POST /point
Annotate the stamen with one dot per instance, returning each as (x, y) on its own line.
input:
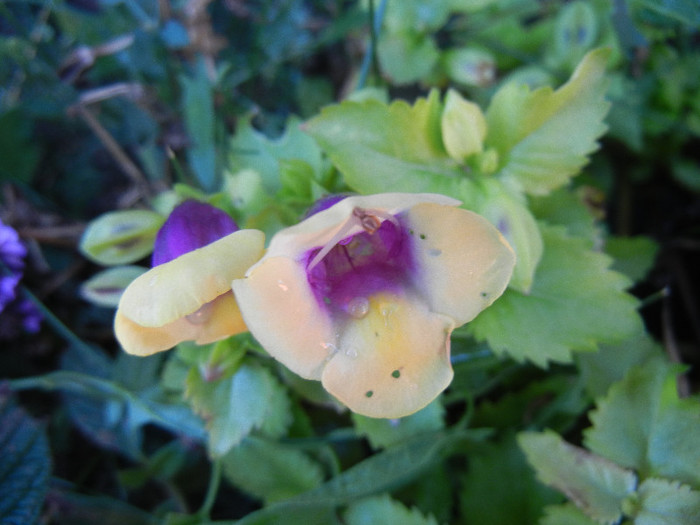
(368, 220)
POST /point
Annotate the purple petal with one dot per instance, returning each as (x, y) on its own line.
(12, 251)
(191, 225)
(324, 203)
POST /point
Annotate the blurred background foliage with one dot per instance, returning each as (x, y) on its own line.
(105, 104)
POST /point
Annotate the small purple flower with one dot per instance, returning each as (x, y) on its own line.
(15, 313)
(191, 225)
(12, 253)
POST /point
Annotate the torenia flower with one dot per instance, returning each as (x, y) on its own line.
(364, 295)
(187, 295)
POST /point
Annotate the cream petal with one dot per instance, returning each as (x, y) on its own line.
(392, 362)
(180, 287)
(320, 228)
(463, 262)
(215, 320)
(282, 313)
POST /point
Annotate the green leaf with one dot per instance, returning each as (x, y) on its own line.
(106, 287)
(575, 303)
(25, 466)
(407, 57)
(596, 485)
(416, 15)
(684, 11)
(383, 433)
(250, 149)
(500, 487)
(198, 108)
(544, 137)
(634, 256)
(565, 207)
(383, 509)
(235, 405)
(270, 471)
(380, 147)
(565, 515)
(384, 471)
(599, 370)
(121, 237)
(644, 425)
(663, 502)
(112, 415)
(80, 509)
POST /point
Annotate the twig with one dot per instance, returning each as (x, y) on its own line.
(126, 164)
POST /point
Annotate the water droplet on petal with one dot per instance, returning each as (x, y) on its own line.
(152, 280)
(282, 285)
(202, 315)
(434, 252)
(351, 352)
(330, 347)
(358, 307)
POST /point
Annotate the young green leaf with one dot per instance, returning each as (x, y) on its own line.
(543, 137)
(250, 149)
(463, 127)
(596, 485)
(575, 303)
(644, 425)
(25, 466)
(383, 509)
(379, 147)
(236, 405)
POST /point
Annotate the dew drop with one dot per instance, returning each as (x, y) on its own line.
(358, 307)
(434, 252)
(152, 281)
(282, 285)
(202, 315)
(386, 310)
(351, 352)
(330, 347)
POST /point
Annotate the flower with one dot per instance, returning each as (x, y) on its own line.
(18, 314)
(364, 295)
(12, 253)
(187, 295)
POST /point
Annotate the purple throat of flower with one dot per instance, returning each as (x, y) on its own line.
(348, 270)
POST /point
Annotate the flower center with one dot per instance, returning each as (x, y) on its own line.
(352, 269)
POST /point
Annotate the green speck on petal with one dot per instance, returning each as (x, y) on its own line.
(369, 393)
(396, 374)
